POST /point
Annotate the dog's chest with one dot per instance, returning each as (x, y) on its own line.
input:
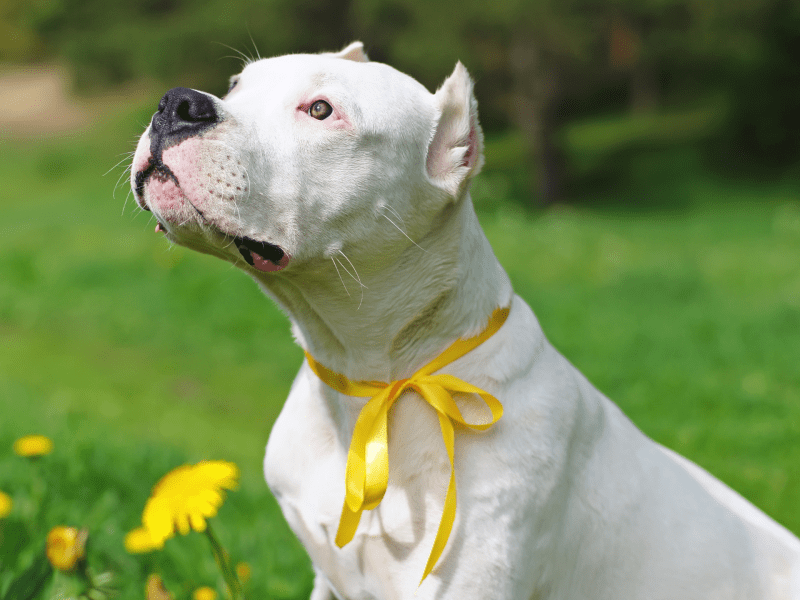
(305, 467)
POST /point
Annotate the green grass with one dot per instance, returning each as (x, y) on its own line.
(136, 357)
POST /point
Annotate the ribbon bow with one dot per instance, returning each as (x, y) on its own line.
(367, 474)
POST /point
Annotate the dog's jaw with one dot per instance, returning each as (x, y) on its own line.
(191, 188)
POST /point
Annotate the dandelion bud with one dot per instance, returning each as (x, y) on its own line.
(243, 572)
(66, 546)
(204, 593)
(155, 589)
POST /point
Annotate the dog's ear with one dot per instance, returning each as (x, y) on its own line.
(354, 52)
(455, 154)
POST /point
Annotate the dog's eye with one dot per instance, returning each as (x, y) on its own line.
(232, 85)
(320, 110)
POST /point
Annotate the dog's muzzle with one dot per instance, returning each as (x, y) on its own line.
(182, 113)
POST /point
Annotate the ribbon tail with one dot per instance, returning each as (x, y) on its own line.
(369, 426)
(348, 524)
(376, 461)
(449, 512)
(367, 470)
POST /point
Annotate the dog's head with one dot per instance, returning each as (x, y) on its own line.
(305, 155)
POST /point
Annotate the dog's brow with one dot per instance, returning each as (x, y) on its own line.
(321, 78)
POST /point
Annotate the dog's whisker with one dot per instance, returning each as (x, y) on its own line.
(252, 41)
(335, 266)
(127, 156)
(125, 203)
(121, 178)
(356, 277)
(246, 60)
(403, 232)
(229, 242)
(395, 213)
(234, 57)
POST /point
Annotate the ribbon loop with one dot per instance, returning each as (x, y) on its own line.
(367, 471)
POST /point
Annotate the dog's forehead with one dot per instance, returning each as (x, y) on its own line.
(369, 82)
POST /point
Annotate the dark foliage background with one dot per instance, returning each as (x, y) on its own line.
(720, 77)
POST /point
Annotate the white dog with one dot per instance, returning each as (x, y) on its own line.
(342, 187)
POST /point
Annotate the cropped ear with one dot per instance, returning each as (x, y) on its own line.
(455, 154)
(354, 52)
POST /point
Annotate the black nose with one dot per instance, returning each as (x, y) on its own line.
(183, 113)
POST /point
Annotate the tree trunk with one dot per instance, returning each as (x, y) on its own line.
(534, 110)
(644, 88)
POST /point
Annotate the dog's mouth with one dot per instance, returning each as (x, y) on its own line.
(262, 256)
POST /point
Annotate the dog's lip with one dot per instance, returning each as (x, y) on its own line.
(262, 256)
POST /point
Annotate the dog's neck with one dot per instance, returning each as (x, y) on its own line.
(442, 287)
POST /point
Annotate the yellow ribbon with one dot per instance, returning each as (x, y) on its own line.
(367, 474)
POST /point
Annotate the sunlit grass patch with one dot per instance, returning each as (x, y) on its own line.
(135, 357)
(99, 486)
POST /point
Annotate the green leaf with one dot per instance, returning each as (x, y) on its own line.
(31, 581)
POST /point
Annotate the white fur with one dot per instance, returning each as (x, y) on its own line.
(563, 498)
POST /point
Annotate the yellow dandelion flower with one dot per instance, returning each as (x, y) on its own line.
(243, 572)
(204, 593)
(155, 590)
(32, 446)
(181, 501)
(66, 546)
(5, 505)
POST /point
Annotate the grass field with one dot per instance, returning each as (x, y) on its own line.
(135, 357)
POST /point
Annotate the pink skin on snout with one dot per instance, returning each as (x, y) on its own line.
(167, 197)
(140, 161)
(184, 161)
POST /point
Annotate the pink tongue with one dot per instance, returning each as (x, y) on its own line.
(262, 264)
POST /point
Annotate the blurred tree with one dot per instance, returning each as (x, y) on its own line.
(539, 64)
(180, 41)
(18, 40)
(548, 43)
(764, 85)
(747, 51)
(318, 24)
